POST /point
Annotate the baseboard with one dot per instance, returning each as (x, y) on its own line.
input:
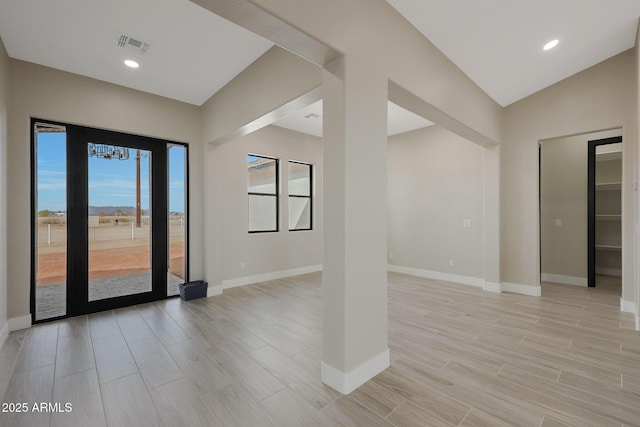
(492, 287)
(4, 333)
(616, 272)
(436, 275)
(534, 291)
(214, 290)
(565, 280)
(17, 323)
(247, 280)
(347, 382)
(516, 288)
(627, 306)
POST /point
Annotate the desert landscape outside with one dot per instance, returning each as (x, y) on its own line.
(112, 246)
(119, 252)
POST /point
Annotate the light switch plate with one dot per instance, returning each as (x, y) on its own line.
(466, 223)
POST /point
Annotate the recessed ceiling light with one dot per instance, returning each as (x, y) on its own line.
(130, 63)
(551, 44)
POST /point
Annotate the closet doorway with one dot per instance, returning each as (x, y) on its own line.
(605, 208)
(568, 198)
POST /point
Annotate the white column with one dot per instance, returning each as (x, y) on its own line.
(492, 219)
(355, 345)
(214, 197)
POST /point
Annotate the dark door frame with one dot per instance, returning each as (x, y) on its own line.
(591, 205)
(77, 219)
(77, 203)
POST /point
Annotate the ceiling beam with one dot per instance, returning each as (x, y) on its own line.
(407, 100)
(253, 18)
(272, 116)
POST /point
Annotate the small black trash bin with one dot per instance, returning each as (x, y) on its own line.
(193, 290)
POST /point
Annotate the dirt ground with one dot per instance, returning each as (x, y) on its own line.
(108, 258)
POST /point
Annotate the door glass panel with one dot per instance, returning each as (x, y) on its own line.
(177, 161)
(119, 223)
(51, 222)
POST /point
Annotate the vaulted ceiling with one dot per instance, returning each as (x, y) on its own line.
(499, 43)
(192, 53)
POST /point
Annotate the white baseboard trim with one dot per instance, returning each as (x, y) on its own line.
(627, 306)
(516, 288)
(4, 333)
(347, 382)
(492, 287)
(17, 323)
(214, 290)
(565, 280)
(436, 275)
(616, 272)
(247, 280)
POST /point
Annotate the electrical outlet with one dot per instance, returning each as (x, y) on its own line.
(466, 223)
(242, 265)
(451, 263)
(390, 255)
(557, 223)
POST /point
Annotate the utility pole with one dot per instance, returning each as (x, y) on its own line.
(138, 210)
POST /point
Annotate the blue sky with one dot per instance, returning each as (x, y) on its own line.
(111, 182)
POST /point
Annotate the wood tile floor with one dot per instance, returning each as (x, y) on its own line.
(251, 357)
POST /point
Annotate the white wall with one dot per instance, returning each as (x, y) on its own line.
(601, 97)
(261, 253)
(563, 196)
(4, 107)
(436, 180)
(45, 93)
(636, 258)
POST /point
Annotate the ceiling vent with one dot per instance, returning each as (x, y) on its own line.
(130, 43)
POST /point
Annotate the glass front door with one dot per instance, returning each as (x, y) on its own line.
(110, 223)
(117, 219)
(119, 222)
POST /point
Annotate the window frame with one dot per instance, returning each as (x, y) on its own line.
(76, 303)
(255, 193)
(298, 196)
